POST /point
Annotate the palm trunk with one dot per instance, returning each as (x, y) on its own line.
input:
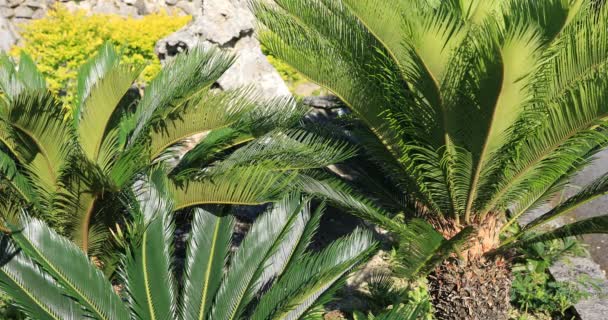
(473, 287)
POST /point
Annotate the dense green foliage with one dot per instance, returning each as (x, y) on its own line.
(62, 41)
(466, 108)
(270, 276)
(534, 291)
(72, 168)
(388, 300)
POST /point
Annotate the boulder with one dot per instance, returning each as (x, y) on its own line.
(24, 12)
(8, 37)
(227, 24)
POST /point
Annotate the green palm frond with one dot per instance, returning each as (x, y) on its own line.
(208, 249)
(181, 79)
(594, 190)
(273, 259)
(101, 93)
(80, 279)
(147, 269)
(91, 73)
(35, 293)
(37, 119)
(471, 107)
(9, 170)
(298, 289)
(252, 185)
(292, 149)
(587, 226)
(203, 116)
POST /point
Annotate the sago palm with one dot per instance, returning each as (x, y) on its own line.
(70, 167)
(271, 275)
(475, 111)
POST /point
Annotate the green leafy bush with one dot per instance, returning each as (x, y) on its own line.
(534, 290)
(62, 41)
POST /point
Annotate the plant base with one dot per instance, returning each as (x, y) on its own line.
(474, 290)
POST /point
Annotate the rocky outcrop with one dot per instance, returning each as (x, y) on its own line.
(20, 11)
(229, 25)
(7, 35)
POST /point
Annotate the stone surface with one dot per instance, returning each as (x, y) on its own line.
(227, 24)
(572, 269)
(598, 243)
(7, 35)
(577, 268)
(24, 12)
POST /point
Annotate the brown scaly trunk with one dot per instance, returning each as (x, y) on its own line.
(471, 287)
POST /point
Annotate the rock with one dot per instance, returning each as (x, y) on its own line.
(8, 37)
(572, 269)
(323, 102)
(40, 13)
(171, 2)
(105, 7)
(15, 3)
(186, 7)
(34, 4)
(7, 12)
(227, 24)
(24, 12)
(127, 10)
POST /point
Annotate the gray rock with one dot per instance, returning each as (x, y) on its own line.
(15, 3)
(105, 7)
(573, 269)
(24, 12)
(39, 13)
(171, 2)
(127, 10)
(227, 24)
(186, 7)
(7, 12)
(8, 36)
(34, 4)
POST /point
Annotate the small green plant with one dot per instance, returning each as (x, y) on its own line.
(389, 299)
(534, 290)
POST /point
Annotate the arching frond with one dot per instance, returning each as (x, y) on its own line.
(180, 80)
(37, 119)
(147, 264)
(252, 185)
(208, 249)
(80, 279)
(34, 292)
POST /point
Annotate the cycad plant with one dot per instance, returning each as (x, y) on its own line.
(70, 164)
(475, 112)
(271, 275)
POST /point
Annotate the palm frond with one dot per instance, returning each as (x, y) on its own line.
(37, 119)
(147, 265)
(180, 80)
(264, 252)
(33, 291)
(594, 190)
(252, 185)
(208, 249)
(297, 290)
(101, 100)
(72, 269)
(587, 226)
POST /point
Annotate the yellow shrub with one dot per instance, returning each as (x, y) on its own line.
(62, 41)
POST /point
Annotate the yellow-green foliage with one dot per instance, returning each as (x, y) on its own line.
(62, 41)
